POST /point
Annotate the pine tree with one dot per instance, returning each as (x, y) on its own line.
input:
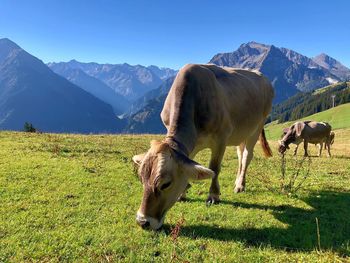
(28, 127)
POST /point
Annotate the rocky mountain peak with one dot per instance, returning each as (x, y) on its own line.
(288, 70)
(333, 65)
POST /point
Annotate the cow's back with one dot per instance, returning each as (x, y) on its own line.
(207, 100)
(316, 132)
(247, 94)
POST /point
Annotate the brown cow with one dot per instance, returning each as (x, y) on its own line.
(307, 132)
(329, 142)
(207, 107)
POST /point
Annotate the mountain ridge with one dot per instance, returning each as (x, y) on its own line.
(288, 70)
(129, 81)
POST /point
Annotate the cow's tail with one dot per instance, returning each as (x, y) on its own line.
(264, 144)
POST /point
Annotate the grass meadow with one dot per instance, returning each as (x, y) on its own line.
(74, 198)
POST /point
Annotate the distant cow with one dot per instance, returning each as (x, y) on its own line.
(207, 107)
(320, 144)
(307, 132)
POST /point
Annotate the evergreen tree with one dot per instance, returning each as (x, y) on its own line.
(28, 127)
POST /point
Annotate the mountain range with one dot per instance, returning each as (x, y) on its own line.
(290, 72)
(31, 92)
(130, 82)
(86, 97)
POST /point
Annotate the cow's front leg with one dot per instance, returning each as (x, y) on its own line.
(215, 165)
(320, 149)
(305, 149)
(184, 194)
(296, 150)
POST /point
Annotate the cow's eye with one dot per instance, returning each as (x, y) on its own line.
(165, 186)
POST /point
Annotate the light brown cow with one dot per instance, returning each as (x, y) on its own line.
(207, 107)
(307, 132)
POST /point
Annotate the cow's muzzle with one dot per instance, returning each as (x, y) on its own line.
(147, 222)
(282, 147)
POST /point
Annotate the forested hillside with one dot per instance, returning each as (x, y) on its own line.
(305, 104)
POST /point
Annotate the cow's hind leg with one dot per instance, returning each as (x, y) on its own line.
(305, 148)
(240, 150)
(215, 165)
(247, 156)
(328, 146)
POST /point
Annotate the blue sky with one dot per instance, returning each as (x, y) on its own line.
(172, 33)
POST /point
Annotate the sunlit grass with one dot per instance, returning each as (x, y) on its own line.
(74, 198)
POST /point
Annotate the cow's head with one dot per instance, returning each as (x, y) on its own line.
(164, 173)
(291, 135)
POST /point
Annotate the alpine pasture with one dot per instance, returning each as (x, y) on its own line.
(74, 198)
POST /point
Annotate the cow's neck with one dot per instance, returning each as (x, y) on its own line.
(182, 142)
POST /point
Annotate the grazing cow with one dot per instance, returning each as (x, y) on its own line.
(307, 132)
(207, 107)
(320, 144)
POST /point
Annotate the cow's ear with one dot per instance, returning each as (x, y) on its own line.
(192, 169)
(299, 127)
(199, 172)
(195, 171)
(137, 159)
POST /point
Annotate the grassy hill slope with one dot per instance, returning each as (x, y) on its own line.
(338, 117)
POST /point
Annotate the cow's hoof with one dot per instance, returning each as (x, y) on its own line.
(239, 189)
(182, 199)
(212, 199)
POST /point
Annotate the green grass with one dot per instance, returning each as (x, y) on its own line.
(74, 198)
(338, 117)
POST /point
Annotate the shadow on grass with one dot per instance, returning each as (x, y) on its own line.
(331, 208)
(341, 157)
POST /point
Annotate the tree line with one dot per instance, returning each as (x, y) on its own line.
(308, 103)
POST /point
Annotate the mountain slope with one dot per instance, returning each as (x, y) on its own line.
(304, 104)
(334, 66)
(147, 120)
(288, 70)
(92, 85)
(31, 92)
(158, 94)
